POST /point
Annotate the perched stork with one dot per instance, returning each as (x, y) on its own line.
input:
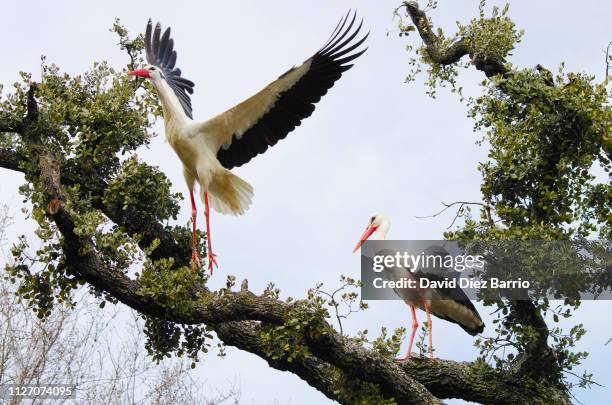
(450, 304)
(209, 149)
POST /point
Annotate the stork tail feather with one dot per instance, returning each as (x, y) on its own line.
(229, 194)
(462, 313)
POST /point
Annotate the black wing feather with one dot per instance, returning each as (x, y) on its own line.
(453, 294)
(160, 52)
(298, 102)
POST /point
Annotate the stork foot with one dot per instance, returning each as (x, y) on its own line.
(212, 261)
(403, 359)
(409, 356)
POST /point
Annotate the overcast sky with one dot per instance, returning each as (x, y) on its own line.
(374, 144)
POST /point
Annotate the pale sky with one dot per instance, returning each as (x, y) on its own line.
(374, 144)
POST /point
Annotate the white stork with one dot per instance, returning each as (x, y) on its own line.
(450, 304)
(209, 149)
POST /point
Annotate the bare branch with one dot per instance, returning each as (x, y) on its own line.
(608, 61)
(461, 205)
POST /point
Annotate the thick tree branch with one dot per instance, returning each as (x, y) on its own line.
(477, 382)
(246, 336)
(9, 124)
(341, 352)
(446, 55)
(32, 105)
(319, 374)
(224, 312)
(168, 245)
(538, 360)
(10, 159)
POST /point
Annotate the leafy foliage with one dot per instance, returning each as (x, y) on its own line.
(545, 142)
(549, 146)
(141, 194)
(343, 299)
(486, 37)
(93, 124)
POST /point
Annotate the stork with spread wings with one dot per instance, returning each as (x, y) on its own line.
(209, 149)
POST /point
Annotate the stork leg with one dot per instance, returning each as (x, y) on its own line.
(195, 258)
(211, 256)
(415, 325)
(429, 329)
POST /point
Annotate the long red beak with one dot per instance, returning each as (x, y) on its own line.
(366, 234)
(140, 73)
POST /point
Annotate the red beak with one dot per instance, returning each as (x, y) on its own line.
(140, 73)
(366, 234)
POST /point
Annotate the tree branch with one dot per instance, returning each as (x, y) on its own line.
(32, 105)
(319, 374)
(168, 245)
(608, 62)
(447, 55)
(461, 204)
(7, 124)
(477, 382)
(246, 336)
(369, 366)
(10, 159)
(537, 360)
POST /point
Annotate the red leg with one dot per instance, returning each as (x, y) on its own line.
(429, 330)
(194, 250)
(211, 255)
(415, 325)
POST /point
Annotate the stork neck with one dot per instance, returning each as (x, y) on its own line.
(173, 110)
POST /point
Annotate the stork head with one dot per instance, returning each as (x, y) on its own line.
(148, 72)
(378, 223)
